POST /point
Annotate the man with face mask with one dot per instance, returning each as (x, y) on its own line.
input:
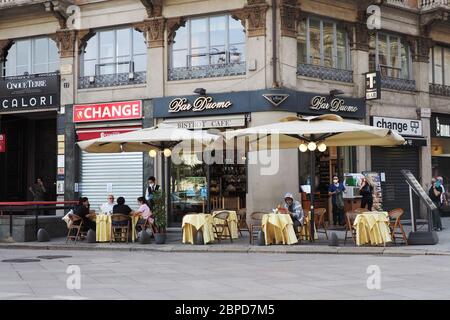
(149, 190)
(336, 191)
(435, 193)
(295, 210)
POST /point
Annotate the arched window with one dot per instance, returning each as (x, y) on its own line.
(32, 56)
(216, 41)
(113, 52)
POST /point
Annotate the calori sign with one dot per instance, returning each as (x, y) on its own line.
(124, 110)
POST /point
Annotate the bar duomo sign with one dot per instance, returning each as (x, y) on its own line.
(33, 92)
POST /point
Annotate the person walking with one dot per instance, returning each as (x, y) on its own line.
(366, 191)
(336, 190)
(435, 194)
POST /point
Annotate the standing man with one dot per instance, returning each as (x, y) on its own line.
(150, 189)
(336, 190)
(435, 194)
(38, 190)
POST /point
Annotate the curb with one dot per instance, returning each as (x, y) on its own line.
(389, 251)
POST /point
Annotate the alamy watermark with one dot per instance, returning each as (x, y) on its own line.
(73, 281)
(373, 282)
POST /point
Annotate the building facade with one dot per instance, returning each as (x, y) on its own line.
(121, 65)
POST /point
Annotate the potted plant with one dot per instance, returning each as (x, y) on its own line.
(159, 213)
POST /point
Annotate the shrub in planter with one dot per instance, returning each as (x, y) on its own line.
(159, 213)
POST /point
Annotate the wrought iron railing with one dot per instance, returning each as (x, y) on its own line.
(324, 73)
(13, 3)
(207, 71)
(393, 78)
(439, 89)
(112, 80)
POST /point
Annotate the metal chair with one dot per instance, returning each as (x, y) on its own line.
(221, 226)
(119, 230)
(242, 221)
(76, 224)
(395, 216)
(255, 225)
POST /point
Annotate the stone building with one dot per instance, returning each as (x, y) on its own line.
(100, 67)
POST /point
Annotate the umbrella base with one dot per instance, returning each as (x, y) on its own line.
(422, 238)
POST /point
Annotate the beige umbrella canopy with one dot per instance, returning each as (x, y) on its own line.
(155, 138)
(330, 129)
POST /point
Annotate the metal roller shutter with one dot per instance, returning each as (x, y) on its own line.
(123, 170)
(395, 190)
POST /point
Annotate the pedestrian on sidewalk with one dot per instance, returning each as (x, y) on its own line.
(366, 191)
(435, 194)
(336, 190)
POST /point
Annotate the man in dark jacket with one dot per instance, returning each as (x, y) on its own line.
(150, 189)
(82, 210)
(435, 194)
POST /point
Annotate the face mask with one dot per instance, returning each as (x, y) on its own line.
(336, 181)
(438, 183)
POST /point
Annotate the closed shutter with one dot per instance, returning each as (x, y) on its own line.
(124, 171)
(395, 190)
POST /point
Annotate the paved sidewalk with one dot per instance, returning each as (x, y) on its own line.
(242, 245)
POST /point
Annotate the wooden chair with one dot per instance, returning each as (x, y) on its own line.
(221, 226)
(119, 231)
(230, 203)
(395, 216)
(144, 226)
(319, 219)
(304, 231)
(76, 224)
(255, 225)
(242, 221)
(350, 217)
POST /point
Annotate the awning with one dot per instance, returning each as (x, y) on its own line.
(416, 141)
(94, 133)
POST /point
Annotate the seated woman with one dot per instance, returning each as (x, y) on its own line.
(145, 212)
(121, 208)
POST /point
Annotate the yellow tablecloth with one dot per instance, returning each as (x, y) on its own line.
(278, 229)
(193, 223)
(103, 227)
(372, 228)
(232, 222)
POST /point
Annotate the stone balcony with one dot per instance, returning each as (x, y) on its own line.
(432, 4)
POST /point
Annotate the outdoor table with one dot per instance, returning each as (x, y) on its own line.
(103, 227)
(200, 222)
(278, 228)
(372, 228)
(232, 223)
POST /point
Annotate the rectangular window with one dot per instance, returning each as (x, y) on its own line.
(438, 65)
(322, 43)
(447, 66)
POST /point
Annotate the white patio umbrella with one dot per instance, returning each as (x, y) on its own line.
(317, 132)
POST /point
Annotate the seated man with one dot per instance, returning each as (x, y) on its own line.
(121, 208)
(82, 210)
(295, 210)
(107, 208)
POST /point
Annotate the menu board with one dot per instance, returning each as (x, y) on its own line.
(377, 192)
(415, 185)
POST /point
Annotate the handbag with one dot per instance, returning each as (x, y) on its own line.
(340, 200)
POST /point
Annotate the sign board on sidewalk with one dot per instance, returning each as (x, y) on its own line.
(415, 185)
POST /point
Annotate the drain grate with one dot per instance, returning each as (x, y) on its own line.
(20, 260)
(54, 257)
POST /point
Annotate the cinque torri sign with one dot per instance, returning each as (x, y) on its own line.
(31, 92)
(199, 104)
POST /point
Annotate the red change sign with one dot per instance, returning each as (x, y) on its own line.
(2, 143)
(124, 110)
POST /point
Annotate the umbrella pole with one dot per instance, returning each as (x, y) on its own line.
(313, 182)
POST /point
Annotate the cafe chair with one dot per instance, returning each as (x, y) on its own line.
(119, 229)
(76, 225)
(144, 224)
(242, 221)
(255, 225)
(220, 227)
(350, 217)
(319, 219)
(395, 216)
(303, 232)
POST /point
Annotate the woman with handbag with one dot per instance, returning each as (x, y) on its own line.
(336, 190)
(366, 191)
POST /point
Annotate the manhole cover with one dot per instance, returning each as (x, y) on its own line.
(21, 260)
(53, 257)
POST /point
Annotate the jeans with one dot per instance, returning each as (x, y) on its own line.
(437, 223)
(366, 201)
(337, 214)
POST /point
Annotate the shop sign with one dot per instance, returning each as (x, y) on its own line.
(32, 92)
(336, 105)
(373, 85)
(2, 143)
(124, 110)
(88, 134)
(406, 127)
(198, 123)
(200, 104)
(275, 99)
(441, 126)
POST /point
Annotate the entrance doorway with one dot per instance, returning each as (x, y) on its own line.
(31, 152)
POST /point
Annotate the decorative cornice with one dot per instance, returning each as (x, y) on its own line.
(59, 10)
(173, 24)
(420, 48)
(65, 40)
(256, 15)
(428, 19)
(153, 29)
(153, 7)
(289, 13)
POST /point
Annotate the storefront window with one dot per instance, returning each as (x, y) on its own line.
(440, 65)
(322, 43)
(207, 41)
(391, 55)
(114, 51)
(32, 56)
